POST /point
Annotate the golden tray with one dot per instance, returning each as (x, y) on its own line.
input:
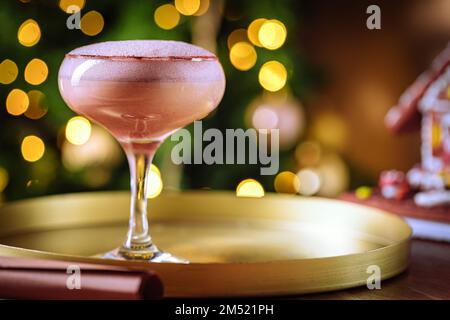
(271, 246)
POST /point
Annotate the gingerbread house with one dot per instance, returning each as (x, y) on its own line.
(426, 103)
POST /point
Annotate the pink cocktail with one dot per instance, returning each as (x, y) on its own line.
(141, 91)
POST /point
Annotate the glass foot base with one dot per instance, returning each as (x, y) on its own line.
(151, 254)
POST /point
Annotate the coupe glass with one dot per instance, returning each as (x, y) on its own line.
(141, 91)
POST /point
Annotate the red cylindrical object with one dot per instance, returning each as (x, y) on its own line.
(48, 280)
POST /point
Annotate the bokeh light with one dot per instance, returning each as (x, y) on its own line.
(167, 17)
(309, 182)
(243, 56)
(253, 31)
(29, 33)
(154, 168)
(92, 23)
(265, 117)
(187, 7)
(330, 129)
(17, 102)
(36, 72)
(8, 71)
(78, 130)
(32, 148)
(38, 105)
(155, 183)
(363, 192)
(101, 151)
(334, 175)
(272, 34)
(287, 182)
(4, 179)
(66, 5)
(238, 35)
(308, 154)
(204, 6)
(278, 111)
(272, 76)
(250, 188)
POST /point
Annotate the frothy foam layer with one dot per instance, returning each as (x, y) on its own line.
(143, 49)
(103, 62)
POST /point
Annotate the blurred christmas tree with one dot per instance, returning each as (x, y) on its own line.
(46, 148)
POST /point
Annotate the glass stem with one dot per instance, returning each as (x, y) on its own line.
(138, 243)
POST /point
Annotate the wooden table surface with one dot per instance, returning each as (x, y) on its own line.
(428, 277)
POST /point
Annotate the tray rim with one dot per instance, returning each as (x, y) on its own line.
(394, 257)
(226, 193)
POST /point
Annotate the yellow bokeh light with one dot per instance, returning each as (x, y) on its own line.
(238, 35)
(4, 179)
(29, 33)
(253, 31)
(187, 7)
(204, 6)
(272, 34)
(36, 72)
(330, 129)
(78, 130)
(363, 192)
(272, 76)
(17, 102)
(309, 182)
(243, 56)
(8, 71)
(92, 23)
(448, 92)
(155, 183)
(100, 151)
(71, 6)
(37, 107)
(167, 17)
(250, 188)
(155, 169)
(33, 148)
(287, 182)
